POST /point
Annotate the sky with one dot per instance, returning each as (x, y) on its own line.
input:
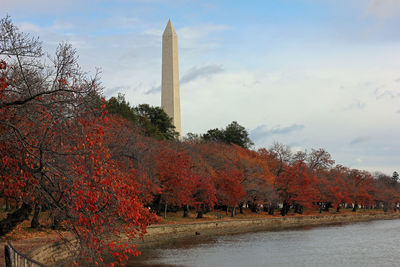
(305, 73)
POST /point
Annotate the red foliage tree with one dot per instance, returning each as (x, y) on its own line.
(296, 186)
(176, 179)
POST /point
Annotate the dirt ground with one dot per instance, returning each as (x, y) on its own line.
(25, 239)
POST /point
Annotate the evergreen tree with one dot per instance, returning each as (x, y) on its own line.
(234, 133)
(153, 120)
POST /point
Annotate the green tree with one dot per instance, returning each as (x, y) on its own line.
(214, 135)
(153, 120)
(237, 134)
(234, 133)
(119, 106)
(156, 122)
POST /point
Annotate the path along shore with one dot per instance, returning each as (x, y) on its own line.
(162, 234)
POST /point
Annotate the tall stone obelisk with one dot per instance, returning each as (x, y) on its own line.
(170, 98)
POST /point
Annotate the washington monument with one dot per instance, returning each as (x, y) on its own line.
(170, 99)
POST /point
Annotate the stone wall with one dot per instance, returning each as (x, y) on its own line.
(162, 234)
(54, 252)
(158, 234)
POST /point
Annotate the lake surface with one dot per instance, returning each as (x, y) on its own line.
(375, 243)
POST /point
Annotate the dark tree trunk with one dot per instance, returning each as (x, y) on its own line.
(199, 214)
(338, 209)
(241, 208)
(186, 211)
(285, 209)
(55, 223)
(8, 206)
(271, 210)
(355, 207)
(298, 209)
(225, 208)
(15, 218)
(233, 212)
(156, 205)
(253, 207)
(35, 220)
(385, 206)
(327, 206)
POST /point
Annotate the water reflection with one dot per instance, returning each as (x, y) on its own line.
(362, 244)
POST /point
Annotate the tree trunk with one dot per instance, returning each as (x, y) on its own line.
(186, 211)
(285, 209)
(199, 214)
(8, 206)
(385, 206)
(254, 207)
(271, 210)
(35, 220)
(165, 210)
(355, 207)
(327, 206)
(241, 208)
(55, 223)
(15, 218)
(298, 209)
(233, 212)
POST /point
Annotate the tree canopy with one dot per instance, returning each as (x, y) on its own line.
(152, 120)
(234, 133)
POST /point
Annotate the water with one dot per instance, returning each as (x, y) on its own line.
(375, 243)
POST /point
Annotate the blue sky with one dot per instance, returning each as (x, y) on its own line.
(307, 73)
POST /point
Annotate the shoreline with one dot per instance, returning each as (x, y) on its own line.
(161, 234)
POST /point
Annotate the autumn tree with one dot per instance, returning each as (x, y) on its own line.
(360, 187)
(53, 150)
(387, 193)
(205, 192)
(295, 187)
(177, 182)
(319, 159)
(278, 156)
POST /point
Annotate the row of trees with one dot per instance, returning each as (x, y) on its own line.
(102, 168)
